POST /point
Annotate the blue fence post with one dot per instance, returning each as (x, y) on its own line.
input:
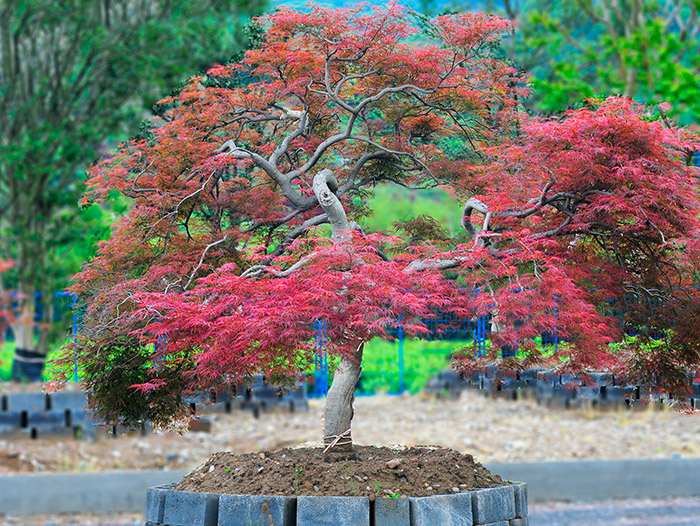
(321, 360)
(556, 327)
(400, 338)
(75, 333)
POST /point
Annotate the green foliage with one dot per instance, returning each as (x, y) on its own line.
(123, 363)
(579, 49)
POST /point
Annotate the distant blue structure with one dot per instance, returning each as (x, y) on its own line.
(321, 360)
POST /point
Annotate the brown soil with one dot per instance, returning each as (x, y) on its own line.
(376, 472)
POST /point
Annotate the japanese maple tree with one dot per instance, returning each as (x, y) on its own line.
(248, 194)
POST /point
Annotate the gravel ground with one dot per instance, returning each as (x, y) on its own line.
(493, 430)
(669, 512)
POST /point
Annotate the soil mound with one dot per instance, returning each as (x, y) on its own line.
(396, 471)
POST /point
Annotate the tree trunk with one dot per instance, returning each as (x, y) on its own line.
(339, 411)
(28, 363)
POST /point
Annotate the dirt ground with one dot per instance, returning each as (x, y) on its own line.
(492, 430)
(371, 471)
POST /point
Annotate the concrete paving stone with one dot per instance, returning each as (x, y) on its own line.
(25, 402)
(493, 504)
(332, 511)
(443, 510)
(155, 503)
(185, 508)
(520, 494)
(392, 512)
(515, 522)
(499, 523)
(247, 510)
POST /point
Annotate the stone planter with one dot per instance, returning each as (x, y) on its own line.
(500, 506)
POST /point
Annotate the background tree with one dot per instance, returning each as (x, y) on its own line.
(73, 74)
(641, 49)
(222, 263)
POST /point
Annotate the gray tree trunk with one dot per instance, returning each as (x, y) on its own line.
(339, 412)
(341, 395)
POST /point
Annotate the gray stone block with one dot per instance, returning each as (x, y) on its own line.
(10, 421)
(155, 503)
(184, 508)
(499, 523)
(26, 402)
(520, 493)
(515, 522)
(445, 510)
(256, 510)
(493, 504)
(75, 401)
(392, 512)
(46, 421)
(333, 511)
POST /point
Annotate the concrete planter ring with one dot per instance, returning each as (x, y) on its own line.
(499, 506)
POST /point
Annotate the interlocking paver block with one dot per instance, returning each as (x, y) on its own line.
(392, 512)
(332, 511)
(520, 493)
(155, 503)
(493, 504)
(185, 508)
(247, 510)
(443, 510)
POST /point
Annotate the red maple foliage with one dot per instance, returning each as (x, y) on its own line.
(223, 264)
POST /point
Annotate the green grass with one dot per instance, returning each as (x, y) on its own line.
(7, 351)
(422, 359)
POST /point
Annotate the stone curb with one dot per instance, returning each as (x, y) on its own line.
(499, 506)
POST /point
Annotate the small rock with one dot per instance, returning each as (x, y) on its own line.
(262, 456)
(429, 488)
(455, 490)
(393, 463)
(260, 469)
(211, 468)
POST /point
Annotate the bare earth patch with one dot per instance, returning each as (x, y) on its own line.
(492, 430)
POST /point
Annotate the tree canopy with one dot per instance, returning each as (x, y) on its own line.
(226, 257)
